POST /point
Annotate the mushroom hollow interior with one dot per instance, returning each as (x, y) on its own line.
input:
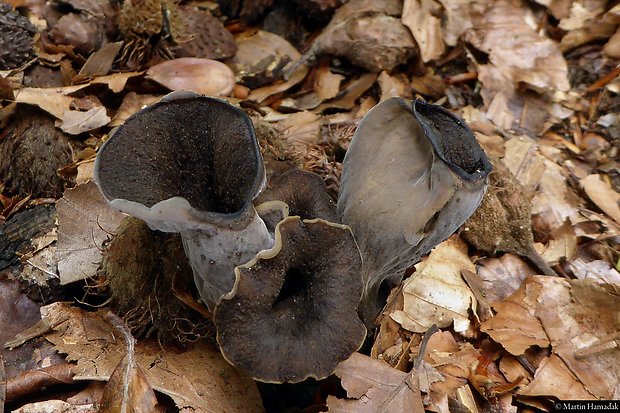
(453, 141)
(199, 148)
(293, 311)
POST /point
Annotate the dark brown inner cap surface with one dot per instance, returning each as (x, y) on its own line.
(201, 149)
(294, 316)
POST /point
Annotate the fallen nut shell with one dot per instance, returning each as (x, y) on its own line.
(203, 76)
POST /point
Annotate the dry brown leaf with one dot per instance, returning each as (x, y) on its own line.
(502, 276)
(603, 195)
(326, 83)
(436, 293)
(579, 319)
(75, 122)
(420, 17)
(397, 85)
(301, 129)
(264, 92)
(57, 406)
(99, 63)
(132, 102)
(562, 245)
(446, 367)
(127, 390)
(553, 378)
(85, 221)
(198, 380)
(52, 100)
(203, 76)
(598, 270)
(373, 386)
(116, 81)
(458, 19)
(578, 316)
(515, 325)
(350, 94)
(518, 55)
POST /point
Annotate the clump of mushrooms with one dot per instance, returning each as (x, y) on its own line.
(284, 279)
(412, 175)
(191, 164)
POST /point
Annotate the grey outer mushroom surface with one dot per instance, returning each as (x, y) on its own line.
(191, 164)
(412, 175)
(293, 311)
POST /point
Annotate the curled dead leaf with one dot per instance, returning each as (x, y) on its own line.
(436, 293)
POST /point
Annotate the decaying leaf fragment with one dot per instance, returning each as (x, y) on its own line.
(420, 17)
(198, 379)
(577, 318)
(128, 390)
(518, 55)
(85, 221)
(373, 386)
(436, 293)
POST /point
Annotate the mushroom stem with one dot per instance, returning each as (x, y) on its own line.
(214, 254)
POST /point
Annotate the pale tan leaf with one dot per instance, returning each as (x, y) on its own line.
(603, 195)
(580, 317)
(397, 85)
(57, 406)
(437, 294)
(458, 19)
(85, 221)
(203, 76)
(128, 390)
(562, 244)
(326, 83)
(115, 81)
(502, 276)
(75, 122)
(52, 100)
(420, 17)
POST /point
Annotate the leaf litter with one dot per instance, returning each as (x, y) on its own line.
(538, 83)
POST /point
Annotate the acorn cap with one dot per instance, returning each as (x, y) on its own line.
(292, 313)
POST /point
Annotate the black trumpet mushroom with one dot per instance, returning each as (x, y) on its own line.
(191, 164)
(412, 175)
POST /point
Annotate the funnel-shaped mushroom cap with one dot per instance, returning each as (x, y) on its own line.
(412, 175)
(304, 193)
(185, 159)
(293, 311)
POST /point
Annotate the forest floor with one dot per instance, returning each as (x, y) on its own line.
(517, 311)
